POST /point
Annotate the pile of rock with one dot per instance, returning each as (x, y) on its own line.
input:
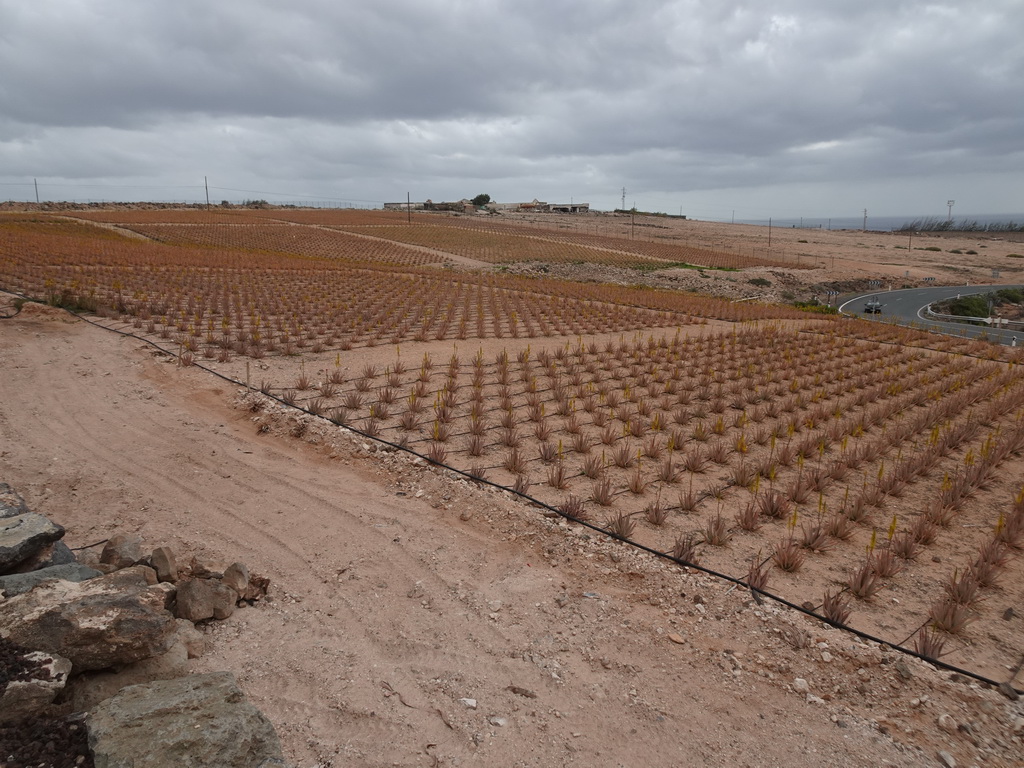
(110, 633)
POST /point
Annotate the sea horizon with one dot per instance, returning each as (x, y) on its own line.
(884, 223)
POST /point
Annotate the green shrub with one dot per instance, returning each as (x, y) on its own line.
(759, 281)
(969, 306)
(815, 306)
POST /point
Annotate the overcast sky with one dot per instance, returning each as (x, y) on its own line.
(784, 108)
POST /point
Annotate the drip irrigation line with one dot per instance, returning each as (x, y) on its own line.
(89, 546)
(755, 592)
(914, 632)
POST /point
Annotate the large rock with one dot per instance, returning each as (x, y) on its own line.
(22, 699)
(96, 624)
(202, 599)
(200, 720)
(57, 553)
(22, 536)
(122, 550)
(90, 688)
(18, 583)
(138, 575)
(11, 503)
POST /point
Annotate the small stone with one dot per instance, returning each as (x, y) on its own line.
(947, 759)
(11, 502)
(1008, 614)
(122, 550)
(167, 591)
(826, 656)
(903, 670)
(236, 576)
(207, 569)
(1008, 691)
(812, 699)
(518, 691)
(164, 563)
(193, 640)
(676, 638)
(592, 595)
(494, 605)
(501, 722)
(469, 703)
(1018, 725)
(562, 600)
(201, 599)
(800, 685)
(947, 723)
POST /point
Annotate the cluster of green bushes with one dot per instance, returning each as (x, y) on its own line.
(976, 305)
(816, 306)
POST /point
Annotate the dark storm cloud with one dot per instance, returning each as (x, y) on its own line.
(530, 98)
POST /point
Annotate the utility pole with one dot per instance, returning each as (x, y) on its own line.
(408, 207)
(623, 198)
(950, 203)
(733, 215)
(865, 229)
(206, 184)
(36, 182)
(769, 233)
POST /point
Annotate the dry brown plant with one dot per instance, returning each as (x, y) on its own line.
(788, 555)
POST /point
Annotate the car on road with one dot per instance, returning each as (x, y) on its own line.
(873, 306)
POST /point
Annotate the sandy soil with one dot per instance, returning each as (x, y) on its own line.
(398, 591)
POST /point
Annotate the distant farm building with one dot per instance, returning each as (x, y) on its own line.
(465, 206)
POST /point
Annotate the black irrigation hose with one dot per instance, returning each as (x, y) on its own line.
(642, 547)
(89, 546)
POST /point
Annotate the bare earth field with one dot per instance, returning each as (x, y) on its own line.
(398, 591)
(844, 260)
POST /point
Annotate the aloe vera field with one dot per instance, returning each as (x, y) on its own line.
(870, 474)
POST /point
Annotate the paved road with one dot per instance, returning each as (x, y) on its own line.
(906, 307)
